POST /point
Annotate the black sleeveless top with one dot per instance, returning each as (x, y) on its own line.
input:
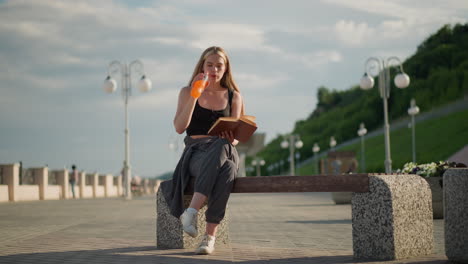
(203, 119)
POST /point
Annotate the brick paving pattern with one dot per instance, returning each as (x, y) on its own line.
(265, 228)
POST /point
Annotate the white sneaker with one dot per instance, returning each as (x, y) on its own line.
(189, 223)
(206, 246)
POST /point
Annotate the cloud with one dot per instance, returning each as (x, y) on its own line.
(230, 36)
(156, 100)
(352, 33)
(28, 81)
(397, 9)
(169, 71)
(54, 57)
(170, 41)
(314, 60)
(400, 19)
(256, 82)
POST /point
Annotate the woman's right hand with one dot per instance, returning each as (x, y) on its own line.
(199, 84)
(197, 78)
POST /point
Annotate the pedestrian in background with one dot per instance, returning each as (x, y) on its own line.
(73, 179)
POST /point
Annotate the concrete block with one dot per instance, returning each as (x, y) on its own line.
(41, 178)
(108, 185)
(456, 214)
(62, 180)
(94, 181)
(394, 219)
(11, 178)
(119, 186)
(81, 184)
(169, 233)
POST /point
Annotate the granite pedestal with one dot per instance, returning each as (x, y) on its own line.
(456, 214)
(394, 219)
(169, 233)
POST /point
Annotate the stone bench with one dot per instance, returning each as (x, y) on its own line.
(456, 214)
(391, 214)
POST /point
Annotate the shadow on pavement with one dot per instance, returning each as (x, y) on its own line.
(153, 255)
(311, 205)
(329, 222)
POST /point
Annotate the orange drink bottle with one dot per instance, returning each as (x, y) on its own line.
(199, 86)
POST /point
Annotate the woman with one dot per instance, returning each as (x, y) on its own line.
(212, 160)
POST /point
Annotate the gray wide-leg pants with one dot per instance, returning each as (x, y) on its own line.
(214, 170)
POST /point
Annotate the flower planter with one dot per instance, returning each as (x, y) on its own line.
(435, 183)
(432, 173)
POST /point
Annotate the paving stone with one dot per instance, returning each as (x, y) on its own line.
(265, 228)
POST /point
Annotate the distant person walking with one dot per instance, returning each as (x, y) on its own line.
(73, 179)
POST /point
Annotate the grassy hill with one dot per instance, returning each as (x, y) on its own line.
(436, 139)
(439, 76)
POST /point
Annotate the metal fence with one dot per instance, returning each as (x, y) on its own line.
(89, 179)
(27, 177)
(53, 177)
(102, 180)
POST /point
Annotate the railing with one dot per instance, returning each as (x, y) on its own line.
(27, 177)
(89, 180)
(18, 184)
(101, 180)
(53, 178)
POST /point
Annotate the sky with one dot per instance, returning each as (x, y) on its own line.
(54, 57)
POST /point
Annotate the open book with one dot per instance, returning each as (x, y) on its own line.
(242, 127)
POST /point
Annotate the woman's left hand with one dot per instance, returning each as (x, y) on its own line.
(228, 135)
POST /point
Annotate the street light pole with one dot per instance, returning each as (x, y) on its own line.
(316, 149)
(332, 143)
(402, 80)
(297, 156)
(257, 162)
(362, 132)
(110, 85)
(412, 111)
(294, 142)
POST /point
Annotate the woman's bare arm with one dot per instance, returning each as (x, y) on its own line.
(185, 106)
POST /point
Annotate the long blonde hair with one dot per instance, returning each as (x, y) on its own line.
(227, 80)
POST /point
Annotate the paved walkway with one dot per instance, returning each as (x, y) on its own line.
(265, 228)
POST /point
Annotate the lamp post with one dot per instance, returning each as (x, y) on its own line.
(362, 132)
(316, 149)
(412, 111)
(257, 162)
(401, 80)
(332, 143)
(294, 142)
(298, 157)
(110, 85)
